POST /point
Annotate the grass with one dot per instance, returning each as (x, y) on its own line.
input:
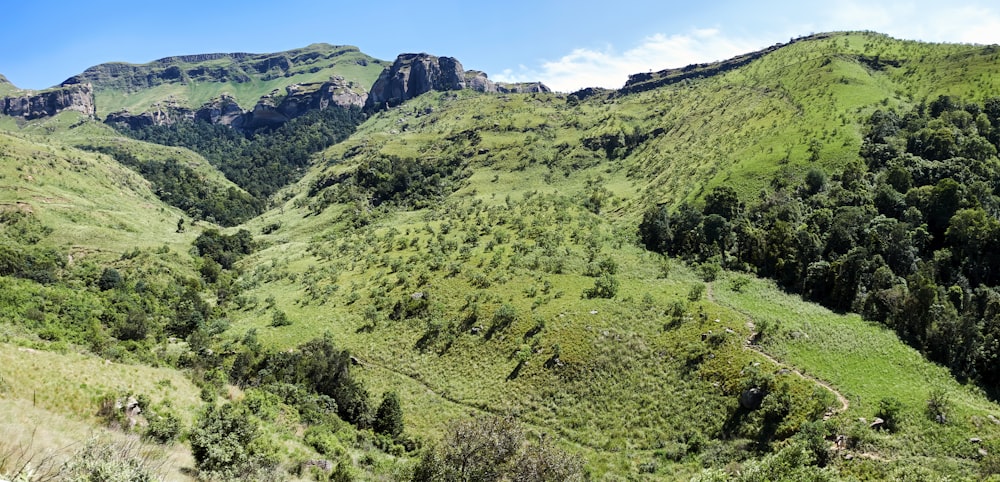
(323, 62)
(49, 402)
(867, 363)
(474, 302)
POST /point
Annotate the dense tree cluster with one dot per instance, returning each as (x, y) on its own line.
(910, 237)
(182, 187)
(264, 161)
(317, 366)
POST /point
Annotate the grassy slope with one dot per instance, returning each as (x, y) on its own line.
(92, 202)
(625, 395)
(343, 62)
(737, 128)
(48, 401)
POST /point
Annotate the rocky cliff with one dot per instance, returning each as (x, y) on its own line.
(220, 67)
(414, 74)
(272, 110)
(32, 104)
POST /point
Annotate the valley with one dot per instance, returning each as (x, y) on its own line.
(733, 271)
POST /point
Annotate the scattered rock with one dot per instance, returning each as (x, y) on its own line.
(877, 424)
(593, 312)
(982, 452)
(975, 440)
(355, 361)
(993, 419)
(848, 456)
(324, 465)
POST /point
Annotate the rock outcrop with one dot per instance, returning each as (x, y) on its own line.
(271, 111)
(478, 81)
(236, 67)
(415, 74)
(46, 103)
(274, 109)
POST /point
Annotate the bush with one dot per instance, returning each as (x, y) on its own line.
(890, 411)
(227, 442)
(104, 460)
(279, 319)
(504, 315)
(164, 426)
(493, 448)
(605, 286)
(938, 405)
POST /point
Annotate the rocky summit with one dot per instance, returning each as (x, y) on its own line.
(47, 103)
(415, 74)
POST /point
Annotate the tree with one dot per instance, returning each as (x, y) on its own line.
(654, 230)
(227, 442)
(110, 279)
(389, 416)
(722, 201)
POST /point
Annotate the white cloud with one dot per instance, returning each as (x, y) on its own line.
(610, 68)
(931, 21)
(926, 20)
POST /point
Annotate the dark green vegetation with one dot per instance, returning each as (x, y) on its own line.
(909, 238)
(470, 286)
(260, 164)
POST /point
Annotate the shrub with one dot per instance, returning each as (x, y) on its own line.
(279, 319)
(890, 411)
(504, 315)
(227, 442)
(938, 405)
(696, 292)
(605, 286)
(164, 426)
(110, 461)
(493, 448)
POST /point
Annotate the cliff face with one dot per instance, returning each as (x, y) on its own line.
(412, 75)
(32, 105)
(415, 74)
(236, 67)
(272, 110)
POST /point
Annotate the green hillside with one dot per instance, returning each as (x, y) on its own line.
(193, 80)
(475, 267)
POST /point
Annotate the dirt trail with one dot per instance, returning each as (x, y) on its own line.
(844, 402)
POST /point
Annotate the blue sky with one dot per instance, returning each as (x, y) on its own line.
(566, 44)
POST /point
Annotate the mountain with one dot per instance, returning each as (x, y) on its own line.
(606, 284)
(191, 81)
